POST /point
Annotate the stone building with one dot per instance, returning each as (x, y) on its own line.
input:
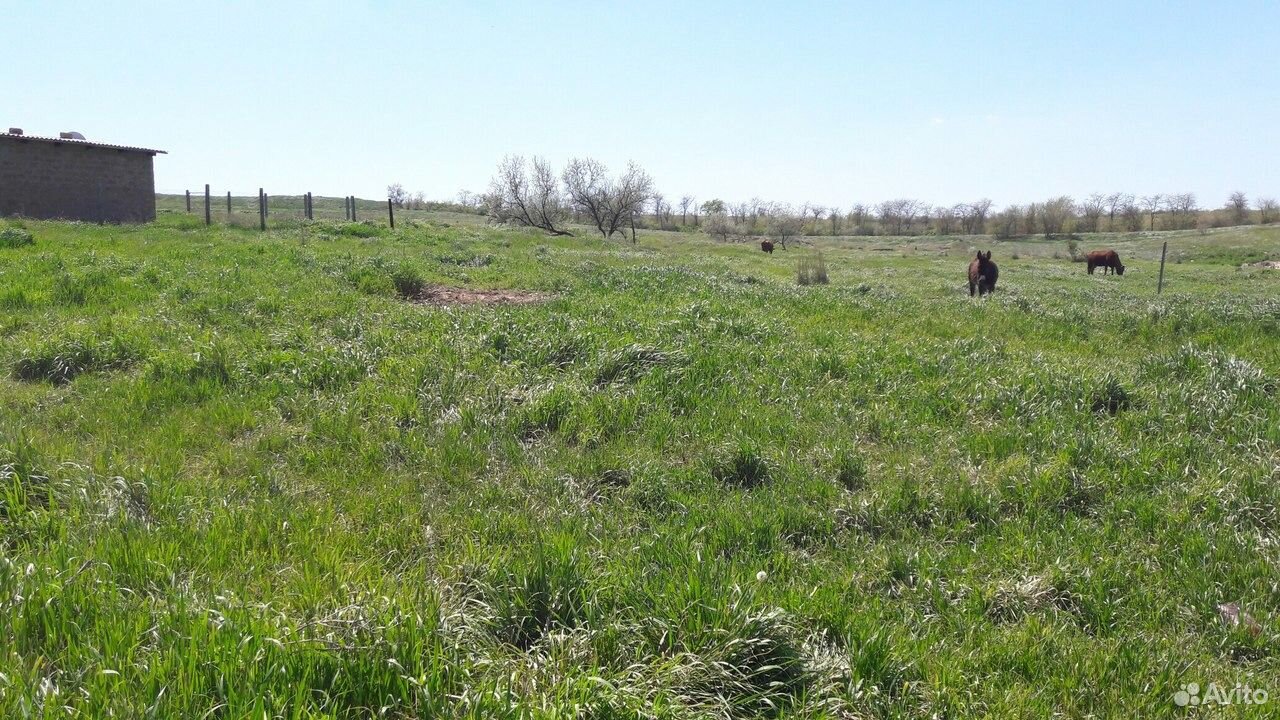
(71, 178)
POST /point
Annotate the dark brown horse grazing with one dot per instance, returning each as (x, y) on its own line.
(982, 275)
(1107, 260)
(766, 246)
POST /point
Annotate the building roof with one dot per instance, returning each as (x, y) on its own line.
(82, 143)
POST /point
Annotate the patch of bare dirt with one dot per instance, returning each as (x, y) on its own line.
(450, 296)
(1264, 265)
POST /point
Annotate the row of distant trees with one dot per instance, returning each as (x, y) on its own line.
(529, 192)
(1116, 212)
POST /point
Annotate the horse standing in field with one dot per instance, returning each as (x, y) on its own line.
(767, 246)
(1107, 260)
(982, 275)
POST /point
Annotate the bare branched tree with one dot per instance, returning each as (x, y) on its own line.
(610, 205)
(1054, 214)
(1267, 208)
(1116, 202)
(1008, 222)
(529, 197)
(945, 219)
(686, 202)
(397, 194)
(720, 226)
(784, 224)
(973, 216)
(1091, 209)
(1152, 204)
(1238, 206)
(1182, 210)
(1131, 213)
(896, 216)
(817, 212)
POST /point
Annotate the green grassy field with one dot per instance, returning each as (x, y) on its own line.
(242, 475)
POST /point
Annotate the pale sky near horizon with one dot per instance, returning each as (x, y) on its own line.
(834, 103)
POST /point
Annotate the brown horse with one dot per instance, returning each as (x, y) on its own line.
(1107, 260)
(982, 275)
(766, 246)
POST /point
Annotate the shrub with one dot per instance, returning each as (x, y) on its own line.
(629, 363)
(407, 281)
(741, 465)
(851, 469)
(1111, 397)
(15, 237)
(63, 359)
(811, 270)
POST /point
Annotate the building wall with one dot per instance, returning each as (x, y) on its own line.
(75, 182)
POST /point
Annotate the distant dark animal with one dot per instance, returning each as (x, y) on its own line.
(766, 246)
(982, 275)
(1105, 259)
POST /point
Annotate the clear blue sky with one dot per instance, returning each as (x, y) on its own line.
(834, 103)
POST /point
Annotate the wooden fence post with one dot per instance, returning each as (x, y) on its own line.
(1160, 283)
(188, 201)
(262, 210)
(353, 208)
(207, 220)
(228, 206)
(391, 214)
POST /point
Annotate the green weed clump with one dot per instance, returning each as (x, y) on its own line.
(741, 465)
(61, 360)
(812, 270)
(15, 237)
(407, 281)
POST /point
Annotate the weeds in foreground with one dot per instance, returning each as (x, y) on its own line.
(811, 270)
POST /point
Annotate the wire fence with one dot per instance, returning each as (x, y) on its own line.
(265, 210)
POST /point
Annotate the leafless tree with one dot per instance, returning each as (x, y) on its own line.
(686, 202)
(784, 224)
(1031, 219)
(1152, 204)
(945, 219)
(1054, 214)
(973, 216)
(1091, 209)
(611, 205)
(397, 194)
(896, 216)
(1008, 222)
(1132, 214)
(1267, 208)
(858, 216)
(818, 212)
(834, 216)
(1115, 202)
(719, 226)
(473, 201)
(1182, 210)
(526, 197)
(1238, 205)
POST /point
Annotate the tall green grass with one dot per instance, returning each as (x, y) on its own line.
(247, 475)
